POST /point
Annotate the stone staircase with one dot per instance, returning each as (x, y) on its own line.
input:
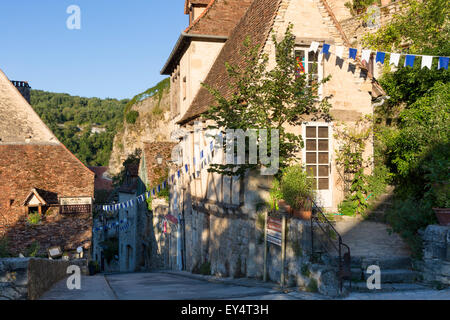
(397, 274)
(372, 244)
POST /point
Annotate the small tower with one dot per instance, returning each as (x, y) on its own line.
(24, 88)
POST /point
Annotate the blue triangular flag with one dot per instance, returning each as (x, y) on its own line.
(178, 173)
(153, 191)
(443, 63)
(186, 168)
(326, 48)
(201, 154)
(211, 145)
(159, 188)
(380, 57)
(352, 53)
(409, 60)
(173, 176)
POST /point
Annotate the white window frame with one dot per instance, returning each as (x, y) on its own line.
(319, 64)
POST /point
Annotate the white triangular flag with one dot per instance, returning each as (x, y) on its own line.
(427, 61)
(339, 51)
(395, 58)
(314, 46)
(365, 55)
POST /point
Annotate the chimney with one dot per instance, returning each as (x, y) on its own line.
(24, 88)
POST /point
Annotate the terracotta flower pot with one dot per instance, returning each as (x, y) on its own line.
(304, 214)
(443, 216)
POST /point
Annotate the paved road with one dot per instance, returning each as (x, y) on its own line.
(182, 286)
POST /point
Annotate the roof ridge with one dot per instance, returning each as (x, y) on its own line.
(341, 32)
(31, 109)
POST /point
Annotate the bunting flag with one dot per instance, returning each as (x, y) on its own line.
(339, 51)
(186, 168)
(409, 60)
(352, 53)
(326, 48)
(394, 59)
(380, 57)
(427, 62)
(443, 63)
(365, 55)
(314, 46)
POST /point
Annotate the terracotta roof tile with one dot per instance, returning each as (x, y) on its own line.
(256, 24)
(219, 18)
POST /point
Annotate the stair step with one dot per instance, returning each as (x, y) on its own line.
(385, 263)
(388, 276)
(386, 287)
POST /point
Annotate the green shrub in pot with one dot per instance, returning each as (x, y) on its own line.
(296, 187)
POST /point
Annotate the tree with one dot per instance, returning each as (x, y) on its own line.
(267, 99)
(423, 28)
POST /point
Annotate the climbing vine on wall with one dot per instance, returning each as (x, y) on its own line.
(351, 164)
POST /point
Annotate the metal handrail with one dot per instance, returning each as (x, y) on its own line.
(338, 248)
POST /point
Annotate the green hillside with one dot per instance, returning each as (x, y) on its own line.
(85, 125)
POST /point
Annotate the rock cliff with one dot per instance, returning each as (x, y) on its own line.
(153, 124)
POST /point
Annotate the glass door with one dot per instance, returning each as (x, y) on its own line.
(317, 160)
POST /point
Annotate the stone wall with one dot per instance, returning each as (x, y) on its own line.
(437, 254)
(29, 278)
(356, 27)
(233, 246)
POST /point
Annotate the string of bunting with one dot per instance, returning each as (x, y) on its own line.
(394, 58)
(205, 158)
(121, 225)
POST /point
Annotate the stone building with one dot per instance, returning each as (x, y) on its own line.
(221, 212)
(39, 175)
(140, 246)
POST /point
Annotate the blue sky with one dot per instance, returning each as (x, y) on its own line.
(118, 52)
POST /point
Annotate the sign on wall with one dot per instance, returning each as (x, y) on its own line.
(274, 231)
(75, 205)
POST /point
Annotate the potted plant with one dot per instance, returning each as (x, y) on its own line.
(442, 210)
(93, 267)
(276, 198)
(297, 190)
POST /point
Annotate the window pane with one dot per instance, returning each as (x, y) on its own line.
(311, 170)
(323, 157)
(311, 157)
(323, 184)
(310, 132)
(323, 145)
(323, 171)
(323, 132)
(311, 145)
(313, 56)
(314, 184)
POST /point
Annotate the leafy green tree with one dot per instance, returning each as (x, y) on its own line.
(71, 119)
(267, 99)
